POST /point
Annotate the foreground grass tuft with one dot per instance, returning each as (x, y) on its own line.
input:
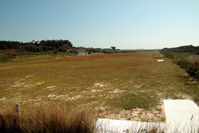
(44, 119)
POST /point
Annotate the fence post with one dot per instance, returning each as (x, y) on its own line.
(18, 111)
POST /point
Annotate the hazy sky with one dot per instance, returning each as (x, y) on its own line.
(126, 24)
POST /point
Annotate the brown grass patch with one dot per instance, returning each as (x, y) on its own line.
(46, 119)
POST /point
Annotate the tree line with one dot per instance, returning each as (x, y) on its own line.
(37, 46)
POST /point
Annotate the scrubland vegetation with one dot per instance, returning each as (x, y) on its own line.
(186, 57)
(119, 86)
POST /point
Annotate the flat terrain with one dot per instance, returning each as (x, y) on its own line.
(120, 86)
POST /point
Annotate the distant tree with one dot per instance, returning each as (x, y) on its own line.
(113, 47)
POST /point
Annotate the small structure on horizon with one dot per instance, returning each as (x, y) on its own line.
(80, 52)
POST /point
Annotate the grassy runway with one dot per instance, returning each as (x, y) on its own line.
(121, 86)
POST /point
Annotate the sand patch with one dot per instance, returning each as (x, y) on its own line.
(74, 98)
(51, 96)
(40, 83)
(50, 87)
(18, 84)
(137, 114)
(3, 99)
(116, 91)
(96, 90)
(99, 85)
(137, 86)
(29, 76)
(57, 97)
(184, 96)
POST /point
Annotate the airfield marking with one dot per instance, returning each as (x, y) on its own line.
(182, 116)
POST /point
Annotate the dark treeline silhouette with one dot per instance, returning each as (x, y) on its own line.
(37, 46)
(185, 49)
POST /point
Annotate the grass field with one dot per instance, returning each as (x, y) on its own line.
(120, 86)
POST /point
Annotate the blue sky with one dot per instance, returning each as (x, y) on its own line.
(126, 24)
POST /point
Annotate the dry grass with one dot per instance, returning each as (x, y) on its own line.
(46, 119)
(97, 82)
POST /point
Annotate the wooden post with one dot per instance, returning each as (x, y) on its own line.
(18, 111)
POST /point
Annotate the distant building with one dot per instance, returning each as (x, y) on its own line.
(80, 52)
